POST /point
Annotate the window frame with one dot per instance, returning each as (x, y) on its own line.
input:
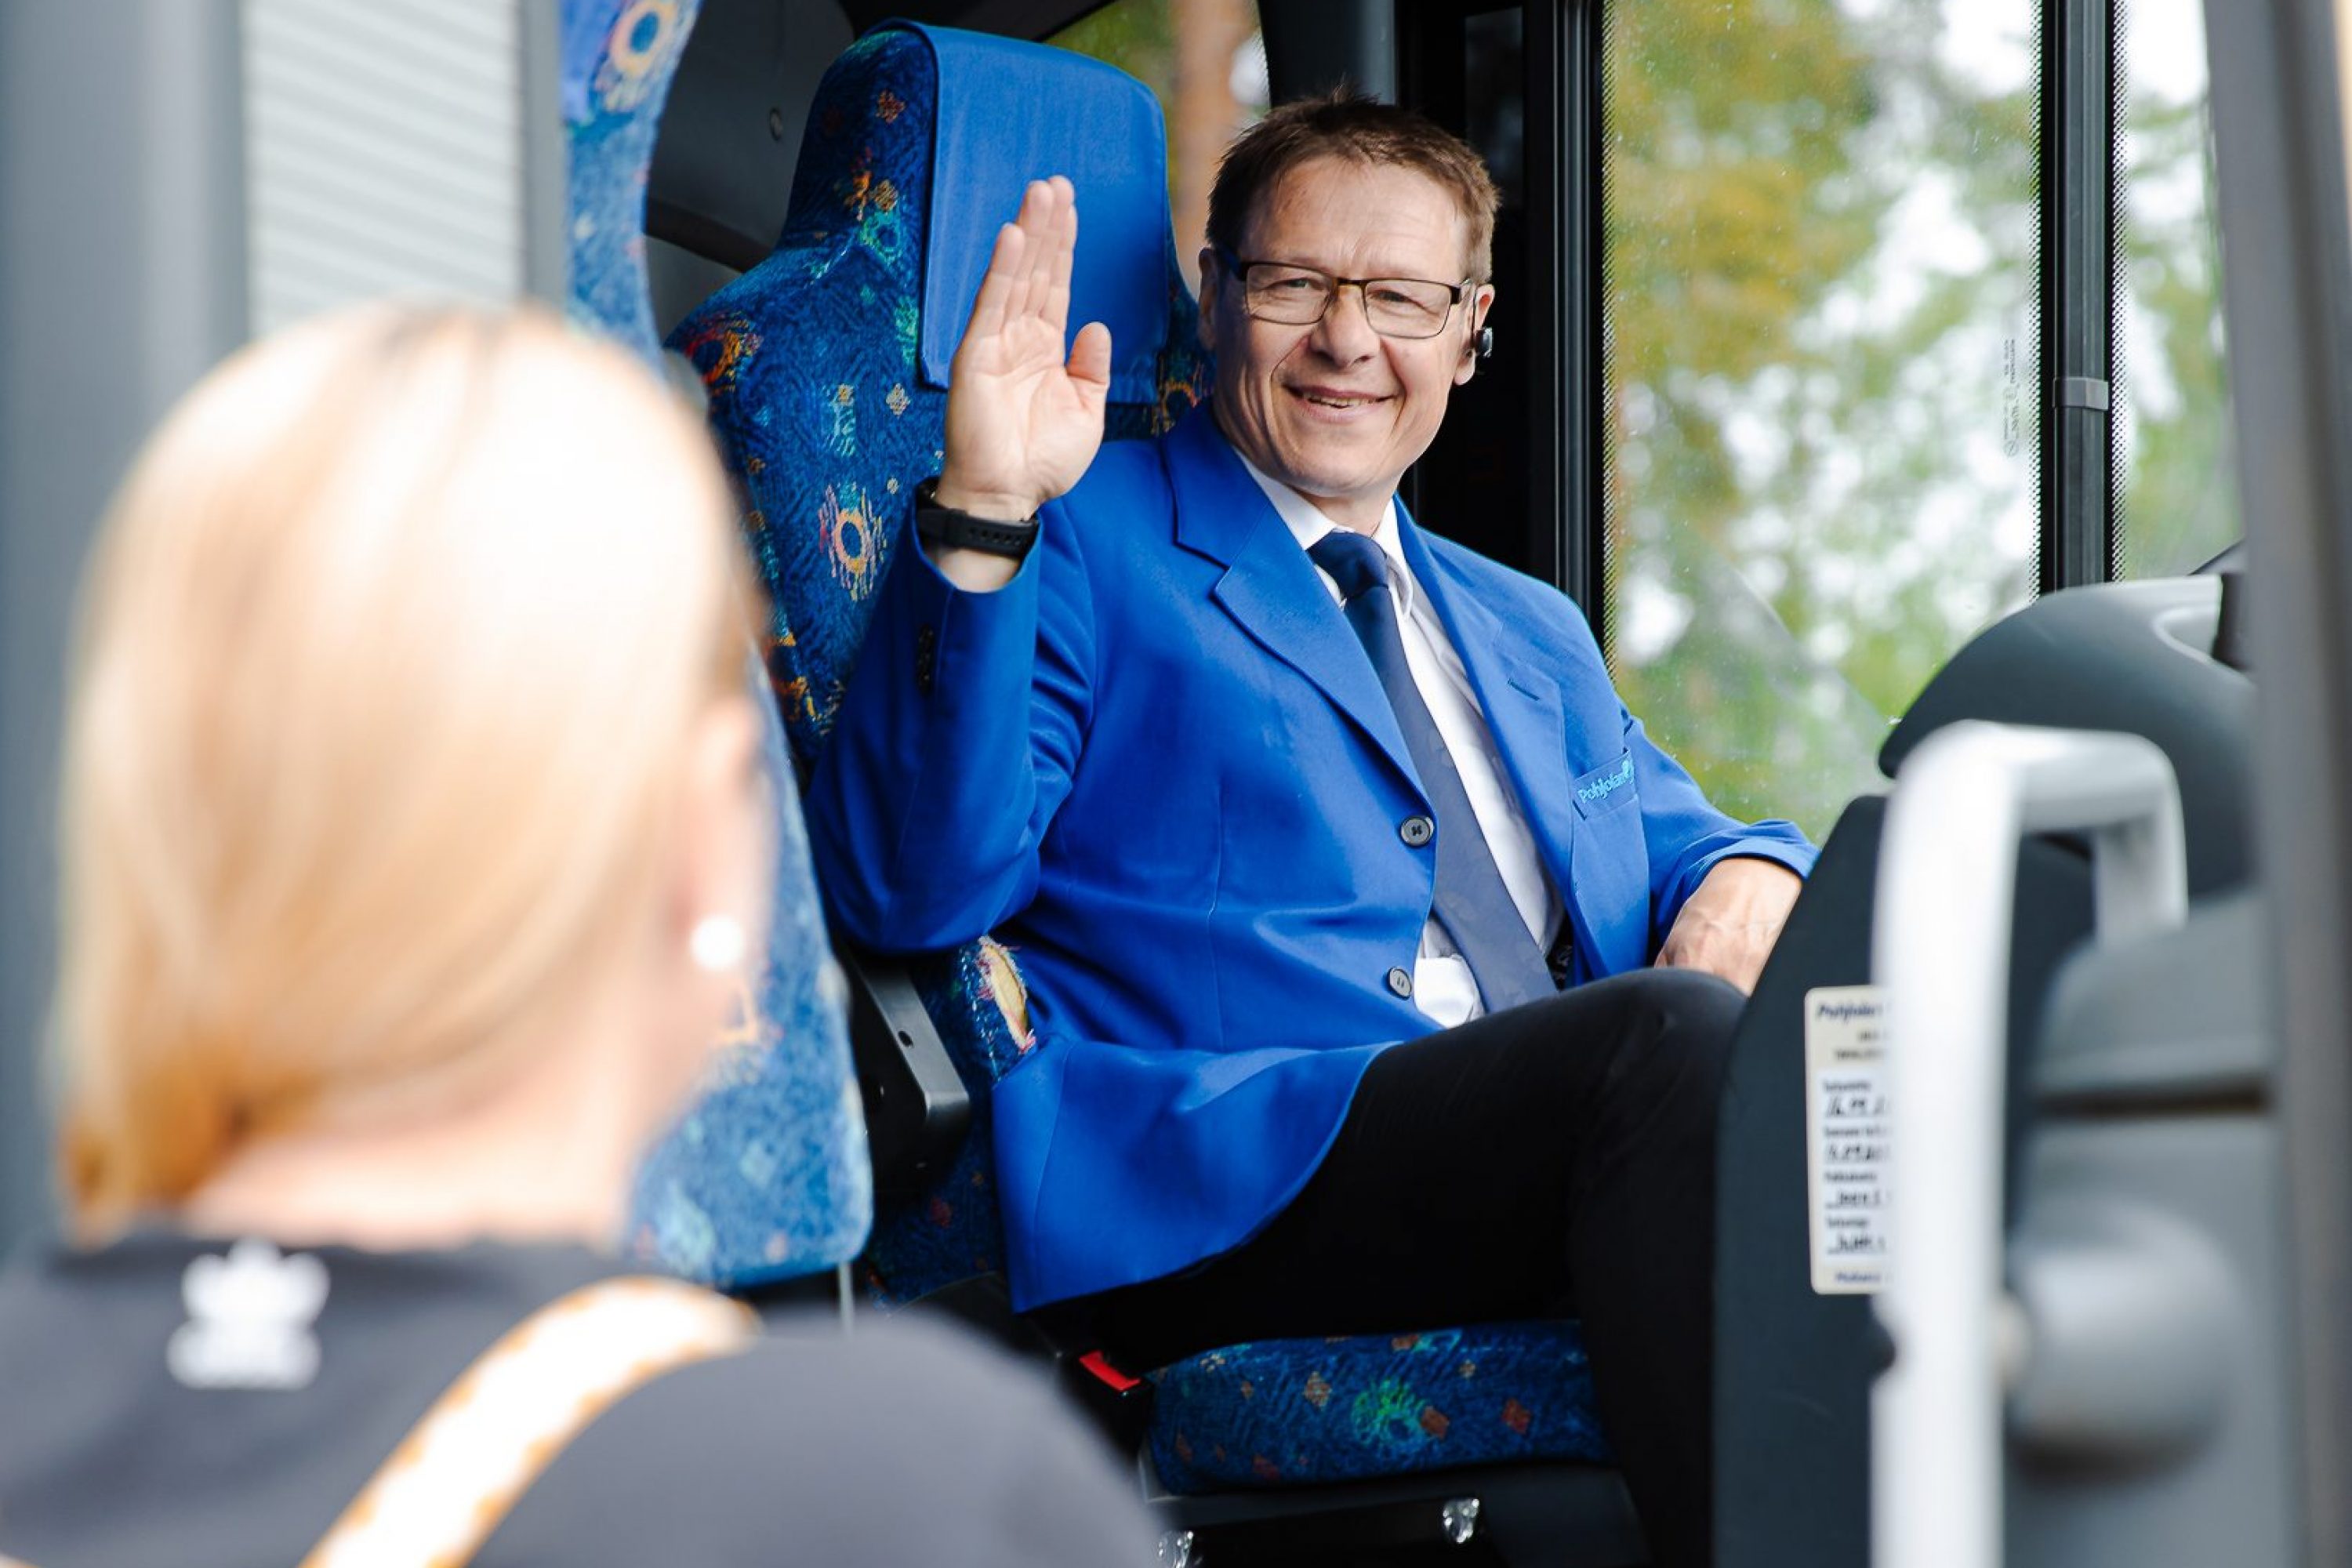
(1547, 363)
(2081, 258)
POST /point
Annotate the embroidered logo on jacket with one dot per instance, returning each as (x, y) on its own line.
(1609, 783)
(250, 1317)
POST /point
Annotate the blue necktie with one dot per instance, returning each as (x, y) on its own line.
(1472, 902)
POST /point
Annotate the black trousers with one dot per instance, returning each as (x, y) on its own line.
(1554, 1160)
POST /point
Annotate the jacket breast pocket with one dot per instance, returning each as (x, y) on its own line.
(1608, 867)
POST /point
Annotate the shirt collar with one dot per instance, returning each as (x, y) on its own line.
(1308, 525)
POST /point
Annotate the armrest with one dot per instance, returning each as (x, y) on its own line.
(917, 1108)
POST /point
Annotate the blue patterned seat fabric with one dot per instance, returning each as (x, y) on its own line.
(1294, 1412)
(619, 58)
(822, 374)
(767, 1174)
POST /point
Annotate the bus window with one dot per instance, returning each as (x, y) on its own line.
(1820, 425)
(1205, 62)
(2179, 503)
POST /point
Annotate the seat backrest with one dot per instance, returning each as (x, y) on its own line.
(827, 368)
(1795, 1366)
(767, 1175)
(619, 60)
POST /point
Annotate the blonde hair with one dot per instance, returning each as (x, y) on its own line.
(390, 650)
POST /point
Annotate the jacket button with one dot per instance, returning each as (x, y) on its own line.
(1400, 982)
(1416, 830)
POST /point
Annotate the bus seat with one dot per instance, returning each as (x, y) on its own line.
(619, 60)
(2138, 657)
(826, 376)
(1794, 1367)
(766, 1177)
(825, 368)
(1294, 1412)
(826, 372)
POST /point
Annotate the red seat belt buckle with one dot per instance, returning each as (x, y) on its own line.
(1110, 1376)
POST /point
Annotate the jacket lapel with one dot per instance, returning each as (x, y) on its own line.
(1269, 587)
(1522, 703)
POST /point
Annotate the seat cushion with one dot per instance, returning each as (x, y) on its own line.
(1285, 1413)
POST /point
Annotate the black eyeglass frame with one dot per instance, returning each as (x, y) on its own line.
(1239, 269)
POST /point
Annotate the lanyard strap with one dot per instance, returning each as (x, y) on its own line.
(490, 1436)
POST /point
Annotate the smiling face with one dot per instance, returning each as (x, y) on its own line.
(1335, 410)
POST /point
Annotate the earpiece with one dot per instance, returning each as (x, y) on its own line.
(1481, 346)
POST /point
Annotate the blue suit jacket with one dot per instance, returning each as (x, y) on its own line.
(1160, 765)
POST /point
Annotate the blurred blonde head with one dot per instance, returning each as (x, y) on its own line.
(392, 647)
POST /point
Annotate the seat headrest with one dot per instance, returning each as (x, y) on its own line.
(1005, 113)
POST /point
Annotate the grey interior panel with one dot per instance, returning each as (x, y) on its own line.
(2223, 1493)
(1793, 1368)
(2152, 1422)
(680, 279)
(2177, 1018)
(722, 172)
(124, 279)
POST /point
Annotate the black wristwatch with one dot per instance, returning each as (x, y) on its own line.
(945, 525)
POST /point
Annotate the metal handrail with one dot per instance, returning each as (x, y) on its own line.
(1947, 883)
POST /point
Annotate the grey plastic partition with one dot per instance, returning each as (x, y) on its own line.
(2288, 292)
(730, 136)
(126, 273)
(2154, 1421)
(121, 279)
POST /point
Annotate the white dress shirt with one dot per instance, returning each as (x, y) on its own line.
(1442, 987)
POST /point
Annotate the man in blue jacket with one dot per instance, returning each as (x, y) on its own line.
(1260, 780)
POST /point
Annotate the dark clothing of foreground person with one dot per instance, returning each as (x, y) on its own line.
(900, 1445)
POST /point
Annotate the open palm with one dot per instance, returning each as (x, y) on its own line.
(1023, 423)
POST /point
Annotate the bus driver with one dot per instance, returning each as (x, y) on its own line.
(1261, 779)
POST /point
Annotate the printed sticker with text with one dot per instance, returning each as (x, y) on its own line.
(1846, 1138)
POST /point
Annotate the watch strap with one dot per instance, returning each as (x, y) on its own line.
(945, 525)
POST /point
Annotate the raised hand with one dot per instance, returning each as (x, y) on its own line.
(1023, 423)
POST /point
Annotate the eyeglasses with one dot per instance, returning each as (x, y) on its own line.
(1291, 296)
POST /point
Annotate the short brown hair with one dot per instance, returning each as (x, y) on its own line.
(1346, 124)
